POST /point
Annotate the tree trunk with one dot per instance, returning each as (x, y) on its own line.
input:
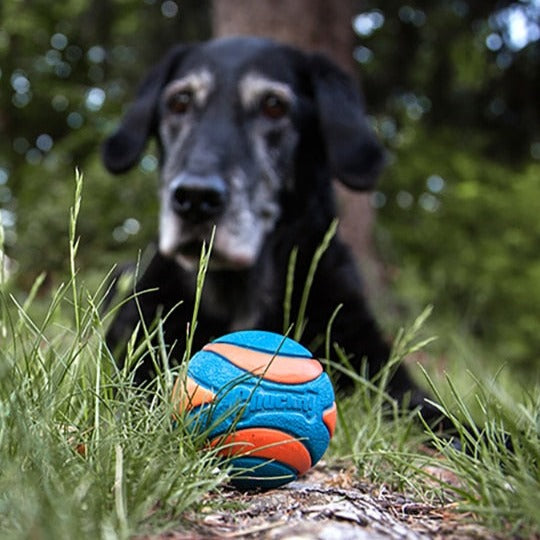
(313, 25)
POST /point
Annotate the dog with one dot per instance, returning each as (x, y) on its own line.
(250, 135)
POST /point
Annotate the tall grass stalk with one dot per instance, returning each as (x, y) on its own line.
(74, 244)
(201, 274)
(319, 252)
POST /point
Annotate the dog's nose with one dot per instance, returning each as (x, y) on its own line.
(198, 198)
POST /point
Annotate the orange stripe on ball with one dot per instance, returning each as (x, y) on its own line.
(188, 394)
(330, 418)
(283, 369)
(266, 443)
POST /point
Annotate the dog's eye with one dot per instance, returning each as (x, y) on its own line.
(180, 102)
(274, 107)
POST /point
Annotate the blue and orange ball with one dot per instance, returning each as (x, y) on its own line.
(265, 400)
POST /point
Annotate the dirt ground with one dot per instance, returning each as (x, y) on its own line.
(326, 504)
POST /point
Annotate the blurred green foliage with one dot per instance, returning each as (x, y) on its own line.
(454, 90)
(66, 71)
(467, 236)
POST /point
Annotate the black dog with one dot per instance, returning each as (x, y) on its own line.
(250, 134)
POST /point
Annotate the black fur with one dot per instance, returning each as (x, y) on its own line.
(330, 137)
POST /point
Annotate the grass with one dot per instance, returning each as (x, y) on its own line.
(497, 425)
(85, 453)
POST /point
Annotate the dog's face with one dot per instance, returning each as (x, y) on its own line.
(228, 141)
(238, 122)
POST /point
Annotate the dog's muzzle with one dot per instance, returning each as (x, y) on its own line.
(197, 204)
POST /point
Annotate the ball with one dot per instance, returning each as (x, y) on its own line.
(264, 400)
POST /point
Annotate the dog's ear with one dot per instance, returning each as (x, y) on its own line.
(122, 149)
(356, 157)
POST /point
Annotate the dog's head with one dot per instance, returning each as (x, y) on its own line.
(240, 124)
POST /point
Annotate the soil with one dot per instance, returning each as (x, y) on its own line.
(326, 504)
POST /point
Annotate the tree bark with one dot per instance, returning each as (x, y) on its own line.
(312, 25)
